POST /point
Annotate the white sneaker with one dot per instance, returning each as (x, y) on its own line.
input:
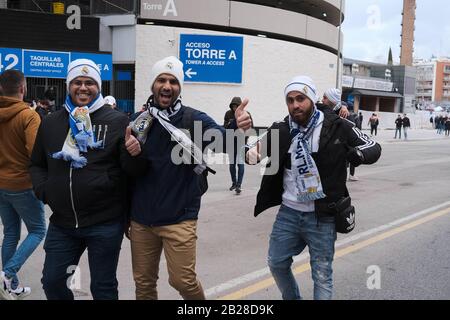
(20, 293)
(353, 178)
(5, 287)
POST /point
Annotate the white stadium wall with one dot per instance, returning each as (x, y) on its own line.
(268, 64)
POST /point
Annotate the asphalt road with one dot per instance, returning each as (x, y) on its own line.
(403, 231)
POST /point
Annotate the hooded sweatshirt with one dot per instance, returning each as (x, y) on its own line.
(18, 128)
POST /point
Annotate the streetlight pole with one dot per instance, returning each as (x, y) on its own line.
(339, 45)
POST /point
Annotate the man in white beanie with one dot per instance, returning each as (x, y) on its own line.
(78, 168)
(166, 196)
(332, 99)
(310, 179)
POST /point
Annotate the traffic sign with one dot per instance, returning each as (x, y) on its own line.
(211, 59)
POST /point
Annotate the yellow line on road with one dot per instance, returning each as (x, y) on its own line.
(264, 284)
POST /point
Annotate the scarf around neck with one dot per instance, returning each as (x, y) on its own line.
(80, 136)
(306, 174)
(142, 125)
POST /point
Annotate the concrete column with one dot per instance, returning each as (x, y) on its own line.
(356, 104)
(397, 105)
(377, 106)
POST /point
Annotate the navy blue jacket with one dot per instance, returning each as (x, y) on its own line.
(165, 193)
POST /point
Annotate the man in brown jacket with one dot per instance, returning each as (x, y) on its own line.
(18, 128)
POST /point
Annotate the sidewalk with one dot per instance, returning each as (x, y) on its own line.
(387, 135)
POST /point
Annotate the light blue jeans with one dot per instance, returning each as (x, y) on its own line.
(292, 232)
(15, 207)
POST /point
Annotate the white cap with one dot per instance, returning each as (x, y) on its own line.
(170, 65)
(304, 85)
(109, 100)
(84, 68)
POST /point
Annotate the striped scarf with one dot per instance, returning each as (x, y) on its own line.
(80, 136)
(142, 125)
(307, 178)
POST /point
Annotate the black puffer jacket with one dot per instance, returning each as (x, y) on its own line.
(336, 138)
(90, 195)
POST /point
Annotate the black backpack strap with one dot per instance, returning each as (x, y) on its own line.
(187, 122)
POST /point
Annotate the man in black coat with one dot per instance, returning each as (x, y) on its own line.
(306, 174)
(398, 127)
(78, 167)
(406, 125)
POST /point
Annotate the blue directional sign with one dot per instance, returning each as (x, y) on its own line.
(104, 62)
(207, 58)
(50, 64)
(10, 59)
(45, 64)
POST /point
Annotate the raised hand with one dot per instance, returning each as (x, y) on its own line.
(343, 112)
(243, 119)
(253, 155)
(131, 143)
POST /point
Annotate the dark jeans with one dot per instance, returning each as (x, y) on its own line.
(373, 129)
(236, 161)
(352, 169)
(64, 247)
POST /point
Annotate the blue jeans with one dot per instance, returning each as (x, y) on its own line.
(405, 132)
(64, 247)
(15, 207)
(292, 232)
(236, 160)
(399, 130)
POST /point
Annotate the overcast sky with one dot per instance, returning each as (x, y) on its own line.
(372, 26)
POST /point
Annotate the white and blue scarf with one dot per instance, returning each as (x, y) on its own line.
(306, 174)
(80, 136)
(143, 123)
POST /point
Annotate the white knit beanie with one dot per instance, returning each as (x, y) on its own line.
(334, 95)
(170, 65)
(304, 85)
(84, 68)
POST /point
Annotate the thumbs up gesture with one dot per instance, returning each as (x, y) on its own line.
(131, 143)
(243, 119)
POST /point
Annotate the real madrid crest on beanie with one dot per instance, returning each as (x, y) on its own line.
(170, 65)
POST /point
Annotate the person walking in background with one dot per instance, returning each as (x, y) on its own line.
(373, 122)
(43, 108)
(447, 126)
(398, 127)
(360, 120)
(236, 156)
(18, 203)
(352, 168)
(406, 125)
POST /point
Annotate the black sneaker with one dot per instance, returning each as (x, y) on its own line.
(233, 186)
(238, 190)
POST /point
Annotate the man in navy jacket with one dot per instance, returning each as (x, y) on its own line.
(166, 195)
